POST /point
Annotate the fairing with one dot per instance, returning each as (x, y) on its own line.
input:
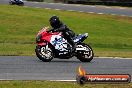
(59, 42)
(55, 39)
(80, 38)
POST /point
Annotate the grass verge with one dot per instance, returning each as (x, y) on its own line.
(47, 84)
(108, 35)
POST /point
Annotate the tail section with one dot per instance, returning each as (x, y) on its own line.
(80, 38)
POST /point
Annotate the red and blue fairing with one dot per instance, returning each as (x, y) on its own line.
(55, 39)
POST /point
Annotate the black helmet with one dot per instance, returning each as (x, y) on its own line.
(55, 22)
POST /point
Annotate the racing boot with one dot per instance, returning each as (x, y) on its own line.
(73, 45)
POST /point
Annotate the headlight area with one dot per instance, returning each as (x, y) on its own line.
(38, 38)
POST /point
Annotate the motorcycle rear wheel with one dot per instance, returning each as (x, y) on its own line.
(44, 54)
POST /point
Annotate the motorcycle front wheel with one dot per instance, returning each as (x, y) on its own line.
(85, 56)
(44, 53)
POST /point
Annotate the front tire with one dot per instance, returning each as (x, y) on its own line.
(85, 56)
(44, 53)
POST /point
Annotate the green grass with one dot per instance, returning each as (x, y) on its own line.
(47, 84)
(49, 1)
(108, 35)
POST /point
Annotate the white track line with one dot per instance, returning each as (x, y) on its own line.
(113, 14)
(47, 80)
(64, 80)
(92, 6)
(121, 8)
(100, 13)
(70, 10)
(5, 79)
(47, 8)
(123, 15)
(57, 9)
(108, 7)
(113, 57)
(81, 11)
(90, 12)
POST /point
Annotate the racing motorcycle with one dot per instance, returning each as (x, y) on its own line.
(16, 2)
(52, 45)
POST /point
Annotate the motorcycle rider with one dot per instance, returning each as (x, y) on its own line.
(58, 26)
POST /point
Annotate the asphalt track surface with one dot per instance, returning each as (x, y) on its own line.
(80, 8)
(31, 68)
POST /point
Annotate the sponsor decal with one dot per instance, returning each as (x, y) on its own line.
(58, 42)
(83, 77)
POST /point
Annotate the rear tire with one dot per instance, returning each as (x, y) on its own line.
(44, 53)
(85, 56)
